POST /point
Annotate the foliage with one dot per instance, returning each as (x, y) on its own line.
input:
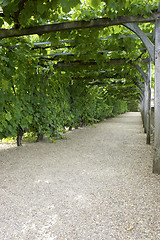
(133, 106)
(22, 13)
(71, 81)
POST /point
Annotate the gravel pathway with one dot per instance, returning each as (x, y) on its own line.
(96, 184)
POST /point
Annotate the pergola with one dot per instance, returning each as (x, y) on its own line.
(144, 87)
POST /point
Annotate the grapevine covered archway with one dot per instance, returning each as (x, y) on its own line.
(82, 65)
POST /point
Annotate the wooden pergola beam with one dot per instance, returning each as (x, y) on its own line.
(119, 61)
(99, 22)
(102, 77)
(69, 54)
(117, 80)
(114, 87)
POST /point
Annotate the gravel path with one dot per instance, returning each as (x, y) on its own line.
(96, 184)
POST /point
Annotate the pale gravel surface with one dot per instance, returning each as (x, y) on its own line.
(97, 184)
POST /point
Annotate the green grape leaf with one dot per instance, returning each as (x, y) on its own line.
(1, 129)
(1, 22)
(55, 4)
(68, 4)
(95, 3)
(8, 116)
(5, 84)
(29, 119)
(4, 2)
(41, 8)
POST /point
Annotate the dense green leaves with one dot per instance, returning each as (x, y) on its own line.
(28, 13)
(83, 76)
(43, 101)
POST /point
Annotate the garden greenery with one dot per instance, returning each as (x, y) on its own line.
(68, 81)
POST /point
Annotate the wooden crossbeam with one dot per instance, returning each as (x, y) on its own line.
(49, 44)
(99, 22)
(54, 55)
(119, 61)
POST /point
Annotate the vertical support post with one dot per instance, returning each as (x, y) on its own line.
(145, 106)
(156, 160)
(142, 108)
(149, 103)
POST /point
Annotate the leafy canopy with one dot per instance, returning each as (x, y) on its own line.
(72, 79)
(25, 13)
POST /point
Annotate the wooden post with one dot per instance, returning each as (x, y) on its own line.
(142, 110)
(145, 106)
(149, 103)
(156, 161)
